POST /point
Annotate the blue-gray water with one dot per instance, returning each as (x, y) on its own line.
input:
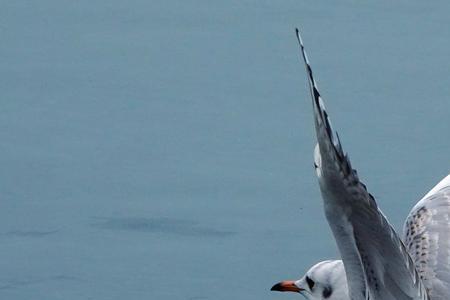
(163, 149)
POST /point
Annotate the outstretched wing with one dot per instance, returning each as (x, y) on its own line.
(427, 237)
(377, 265)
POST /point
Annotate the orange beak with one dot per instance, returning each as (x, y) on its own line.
(286, 286)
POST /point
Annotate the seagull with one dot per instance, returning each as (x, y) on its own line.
(376, 263)
(325, 280)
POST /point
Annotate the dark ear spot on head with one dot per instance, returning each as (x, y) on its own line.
(327, 291)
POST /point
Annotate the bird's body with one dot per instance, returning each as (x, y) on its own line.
(377, 263)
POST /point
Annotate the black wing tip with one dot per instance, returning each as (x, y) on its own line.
(322, 114)
(299, 36)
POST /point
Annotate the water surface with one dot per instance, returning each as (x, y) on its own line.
(163, 149)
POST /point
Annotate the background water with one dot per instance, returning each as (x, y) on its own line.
(163, 149)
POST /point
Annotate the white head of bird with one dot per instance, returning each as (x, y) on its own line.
(324, 281)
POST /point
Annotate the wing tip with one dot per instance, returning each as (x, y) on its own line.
(302, 47)
(299, 37)
(321, 116)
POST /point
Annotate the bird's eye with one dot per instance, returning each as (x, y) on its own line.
(310, 282)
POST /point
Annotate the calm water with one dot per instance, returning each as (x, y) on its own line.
(163, 149)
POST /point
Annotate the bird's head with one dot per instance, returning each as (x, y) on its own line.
(324, 281)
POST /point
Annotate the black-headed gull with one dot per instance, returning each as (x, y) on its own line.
(376, 264)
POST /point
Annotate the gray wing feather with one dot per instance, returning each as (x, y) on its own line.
(427, 237)
(376, 263)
